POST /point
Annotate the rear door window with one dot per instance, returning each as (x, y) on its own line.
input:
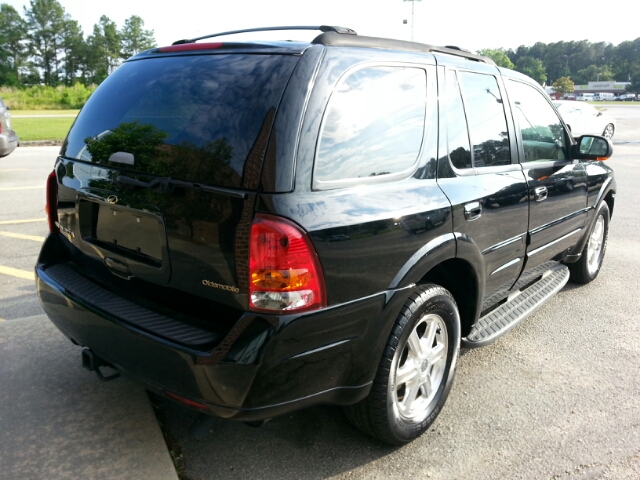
(486, 119)
(543, 136)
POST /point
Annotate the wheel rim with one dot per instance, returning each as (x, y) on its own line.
(594, 249)
(608, 131)
(420, 367)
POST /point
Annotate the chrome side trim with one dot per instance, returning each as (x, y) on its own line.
(539, 249)
(506, 265)
(316, 350)
(504, 243)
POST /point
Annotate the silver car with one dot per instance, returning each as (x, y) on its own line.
(8, 138)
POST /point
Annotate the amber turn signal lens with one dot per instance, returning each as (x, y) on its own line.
(285, 273)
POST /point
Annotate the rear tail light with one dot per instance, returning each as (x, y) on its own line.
(186, 401)
(185, 47)
(52, 202)
(284, 270)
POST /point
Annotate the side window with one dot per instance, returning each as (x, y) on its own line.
(543, 136)
(486, 118)
(457, 134)
(373, 126)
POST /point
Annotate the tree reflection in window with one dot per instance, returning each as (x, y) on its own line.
(457, 134)
(543, 135)
(486, 118)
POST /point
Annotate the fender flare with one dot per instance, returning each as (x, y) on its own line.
(576, 252)
(431, 254)
(445, 247)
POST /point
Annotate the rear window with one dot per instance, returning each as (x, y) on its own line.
(192, 117)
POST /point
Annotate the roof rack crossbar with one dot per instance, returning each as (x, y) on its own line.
(322, 28)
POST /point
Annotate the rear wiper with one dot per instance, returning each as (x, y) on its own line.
(165, 184)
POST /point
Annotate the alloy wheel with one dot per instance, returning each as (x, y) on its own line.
(596, 243)
(420, 367)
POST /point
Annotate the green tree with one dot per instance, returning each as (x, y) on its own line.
(532, 67)
(74, 49)
(13, 30)
(103, 54)
(592, 73)
(498, 55)
(134, 38)
(46, 21)
(626, 60)
(634, 87)
(563, 85)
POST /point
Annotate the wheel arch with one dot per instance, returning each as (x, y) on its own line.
(460, 279)
(454, 262)
(610, 198)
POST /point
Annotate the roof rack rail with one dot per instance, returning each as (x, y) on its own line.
(333, 39)
(322, 28)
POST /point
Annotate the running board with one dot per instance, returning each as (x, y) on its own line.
(519, 306)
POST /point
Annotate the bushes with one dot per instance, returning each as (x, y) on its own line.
(41, 97)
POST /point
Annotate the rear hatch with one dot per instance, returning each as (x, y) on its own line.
(158, 176)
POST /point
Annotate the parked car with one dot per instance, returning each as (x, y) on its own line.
(8, 138)
(253, 228)
(582, 118)
(603, 96)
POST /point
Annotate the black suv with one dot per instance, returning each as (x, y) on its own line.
(253, 228)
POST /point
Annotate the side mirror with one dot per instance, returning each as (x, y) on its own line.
(592, 147)
(599, 114)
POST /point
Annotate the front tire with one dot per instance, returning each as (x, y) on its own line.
(416, 371)
(609, 130)
(587, 268)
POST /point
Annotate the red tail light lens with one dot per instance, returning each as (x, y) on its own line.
(186, 401)
(284, 270)
(52, 202)
(185, 47)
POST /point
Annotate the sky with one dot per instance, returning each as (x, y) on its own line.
(470, 24)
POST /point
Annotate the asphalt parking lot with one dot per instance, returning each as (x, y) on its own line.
(556, 398)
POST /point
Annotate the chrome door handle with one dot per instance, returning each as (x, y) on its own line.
(540, 193)
(472, 211)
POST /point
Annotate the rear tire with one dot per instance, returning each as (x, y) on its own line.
(587, 268)
(416, 371)
(609, 130)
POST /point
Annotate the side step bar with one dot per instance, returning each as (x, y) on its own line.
(519, 306)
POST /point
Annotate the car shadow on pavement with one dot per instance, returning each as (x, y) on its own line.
(314, 443)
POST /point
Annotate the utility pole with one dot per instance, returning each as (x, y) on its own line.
(412, 5)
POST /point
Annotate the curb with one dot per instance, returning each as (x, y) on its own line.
(40, 143)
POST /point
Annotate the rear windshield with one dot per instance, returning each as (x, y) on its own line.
(189, 117)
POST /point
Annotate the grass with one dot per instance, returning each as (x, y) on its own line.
(34, 129)
(40, 97)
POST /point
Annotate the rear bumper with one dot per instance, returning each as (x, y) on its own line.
(266, 365)
(7, 144)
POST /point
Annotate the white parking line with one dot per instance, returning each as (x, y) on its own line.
(13, 169)
(14, 272)
(30, 220)
(21, 188)
(21, 236)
